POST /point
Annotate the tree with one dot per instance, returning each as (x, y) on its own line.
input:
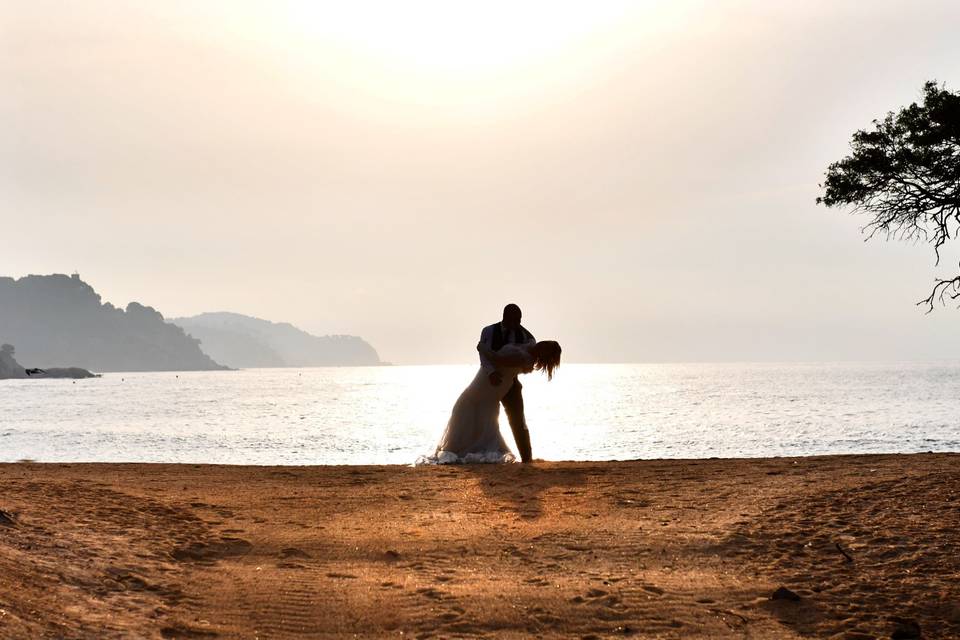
(7, 349)
(905, 173)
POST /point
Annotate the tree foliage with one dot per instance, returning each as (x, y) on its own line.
(905, 174)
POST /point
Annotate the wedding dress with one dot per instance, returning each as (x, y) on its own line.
(473, 431)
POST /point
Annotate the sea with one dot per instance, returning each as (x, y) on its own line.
(393, 414)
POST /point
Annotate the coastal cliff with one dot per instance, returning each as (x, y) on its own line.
(56, 318)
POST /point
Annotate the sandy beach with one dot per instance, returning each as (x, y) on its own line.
(868, 547)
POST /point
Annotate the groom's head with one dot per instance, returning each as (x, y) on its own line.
(511, 316)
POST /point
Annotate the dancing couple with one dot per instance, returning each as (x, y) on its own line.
(507, 350)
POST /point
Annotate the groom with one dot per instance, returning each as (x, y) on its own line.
(509, 331)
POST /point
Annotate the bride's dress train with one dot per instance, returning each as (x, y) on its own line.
(473, 431)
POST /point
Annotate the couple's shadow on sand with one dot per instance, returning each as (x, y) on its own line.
(519, 488)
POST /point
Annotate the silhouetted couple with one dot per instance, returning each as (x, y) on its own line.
(507, 350)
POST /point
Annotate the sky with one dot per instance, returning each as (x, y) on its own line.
(639, 176)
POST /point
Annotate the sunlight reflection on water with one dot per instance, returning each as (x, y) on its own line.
(388, 415)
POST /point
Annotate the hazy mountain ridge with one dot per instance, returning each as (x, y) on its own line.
(245, 341)
(56, 319)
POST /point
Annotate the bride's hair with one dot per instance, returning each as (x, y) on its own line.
(548, 357)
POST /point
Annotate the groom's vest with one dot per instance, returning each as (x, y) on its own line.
(498, 338)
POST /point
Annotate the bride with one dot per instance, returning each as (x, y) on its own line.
(473, 431)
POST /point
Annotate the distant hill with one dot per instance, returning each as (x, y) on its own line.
(243, 341)
(60, 319)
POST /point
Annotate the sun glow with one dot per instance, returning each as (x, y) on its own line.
(445, 51)
(457, 37)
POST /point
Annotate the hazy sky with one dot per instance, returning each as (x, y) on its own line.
(639, 176)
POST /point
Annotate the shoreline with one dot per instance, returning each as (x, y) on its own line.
(536, 462)
(663, 548)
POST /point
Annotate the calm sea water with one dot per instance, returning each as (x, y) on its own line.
(387, 415)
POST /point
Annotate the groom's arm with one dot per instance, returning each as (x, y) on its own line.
(486, 337)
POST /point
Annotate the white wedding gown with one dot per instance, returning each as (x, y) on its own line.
(473, 431)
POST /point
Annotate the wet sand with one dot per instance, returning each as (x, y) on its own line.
(869, 544)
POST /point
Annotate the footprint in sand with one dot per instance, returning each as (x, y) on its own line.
(184, 631)
(210, 551)
(430, 592)
(538, 582)
(597, 597)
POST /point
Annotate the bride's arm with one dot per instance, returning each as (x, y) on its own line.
(513, 359)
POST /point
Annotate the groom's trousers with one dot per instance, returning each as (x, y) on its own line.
(513, 404)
